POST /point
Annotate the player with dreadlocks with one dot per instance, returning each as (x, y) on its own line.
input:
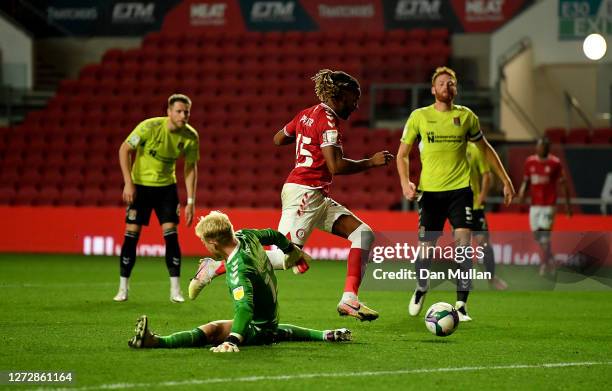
(319, 156)
(306, 204)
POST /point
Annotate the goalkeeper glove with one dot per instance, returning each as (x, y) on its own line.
(225, 347)
(297, 258)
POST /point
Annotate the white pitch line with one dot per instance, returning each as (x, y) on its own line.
(195, 382)
(73, 284)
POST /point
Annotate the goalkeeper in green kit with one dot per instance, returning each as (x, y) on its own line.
(252, 285)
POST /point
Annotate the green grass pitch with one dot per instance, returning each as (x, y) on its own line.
(58, 315)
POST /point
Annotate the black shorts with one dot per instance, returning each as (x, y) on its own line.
(479, 221)
(163, 199)
(437, 206)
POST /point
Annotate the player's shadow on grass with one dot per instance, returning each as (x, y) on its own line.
(438, 341)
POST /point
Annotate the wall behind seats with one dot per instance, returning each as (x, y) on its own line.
(556, 65)
(72, 54)
(16, 55)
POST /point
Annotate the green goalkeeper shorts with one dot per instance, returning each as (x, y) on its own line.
(260, 335)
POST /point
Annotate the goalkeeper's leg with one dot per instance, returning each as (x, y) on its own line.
(289, 332)
(211, 333)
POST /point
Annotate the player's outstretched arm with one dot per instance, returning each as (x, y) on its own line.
(498, 168)
(337, 164)
(269, 236)
(280, 138)
(403, 170)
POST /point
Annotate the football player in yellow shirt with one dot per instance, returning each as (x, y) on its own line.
(480, 182)
(150, 184)
(443, 130)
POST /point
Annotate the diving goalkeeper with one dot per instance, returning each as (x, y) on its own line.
(252, 285)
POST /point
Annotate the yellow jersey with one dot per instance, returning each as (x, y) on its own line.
(157, 150)
(443, 137)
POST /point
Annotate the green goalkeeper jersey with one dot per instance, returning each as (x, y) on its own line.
(251, 279)
(157, 149)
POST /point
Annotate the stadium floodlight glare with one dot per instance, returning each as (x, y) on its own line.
(594, 46)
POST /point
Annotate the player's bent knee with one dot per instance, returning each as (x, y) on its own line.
(362, 237)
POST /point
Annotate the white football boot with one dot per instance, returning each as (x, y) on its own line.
(414, 307)
(122, 295)
(461, 308)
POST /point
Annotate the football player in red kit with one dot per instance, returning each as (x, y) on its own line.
(306, 204)
(543, 171)
(319, 156)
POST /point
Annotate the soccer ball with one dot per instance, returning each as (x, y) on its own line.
(441, 319)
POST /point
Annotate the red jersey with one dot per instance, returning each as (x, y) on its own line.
(313, 128)
(543, 175)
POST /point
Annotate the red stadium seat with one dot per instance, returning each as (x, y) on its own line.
(113, 56)
(92, 196)
(7, 194)
(111, 197)
(26, 195)
(48, 195)
(578, 136)
(602, 136)
(70, 195)
(244, 83)
(556, 135)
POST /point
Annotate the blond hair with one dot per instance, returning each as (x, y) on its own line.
(178, 98)
(443, 70)
(331, 84)
(215, 226)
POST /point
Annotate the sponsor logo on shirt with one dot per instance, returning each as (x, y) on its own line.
(238, 293)
(432, 137)
(539, 179)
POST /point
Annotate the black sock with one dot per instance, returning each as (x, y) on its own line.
(489, 260)
(422, 283)
(127, 259)
(173, 252)
(464, 285)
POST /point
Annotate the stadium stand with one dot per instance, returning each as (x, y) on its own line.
(599, 136)
(244, 86)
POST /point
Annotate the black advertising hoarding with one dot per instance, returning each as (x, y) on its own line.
(111, 18)
(136, 18)
(409, 14)
(468, 16)
(276, 16)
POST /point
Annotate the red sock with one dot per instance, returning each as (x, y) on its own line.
(353, 270)
(220, 269)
